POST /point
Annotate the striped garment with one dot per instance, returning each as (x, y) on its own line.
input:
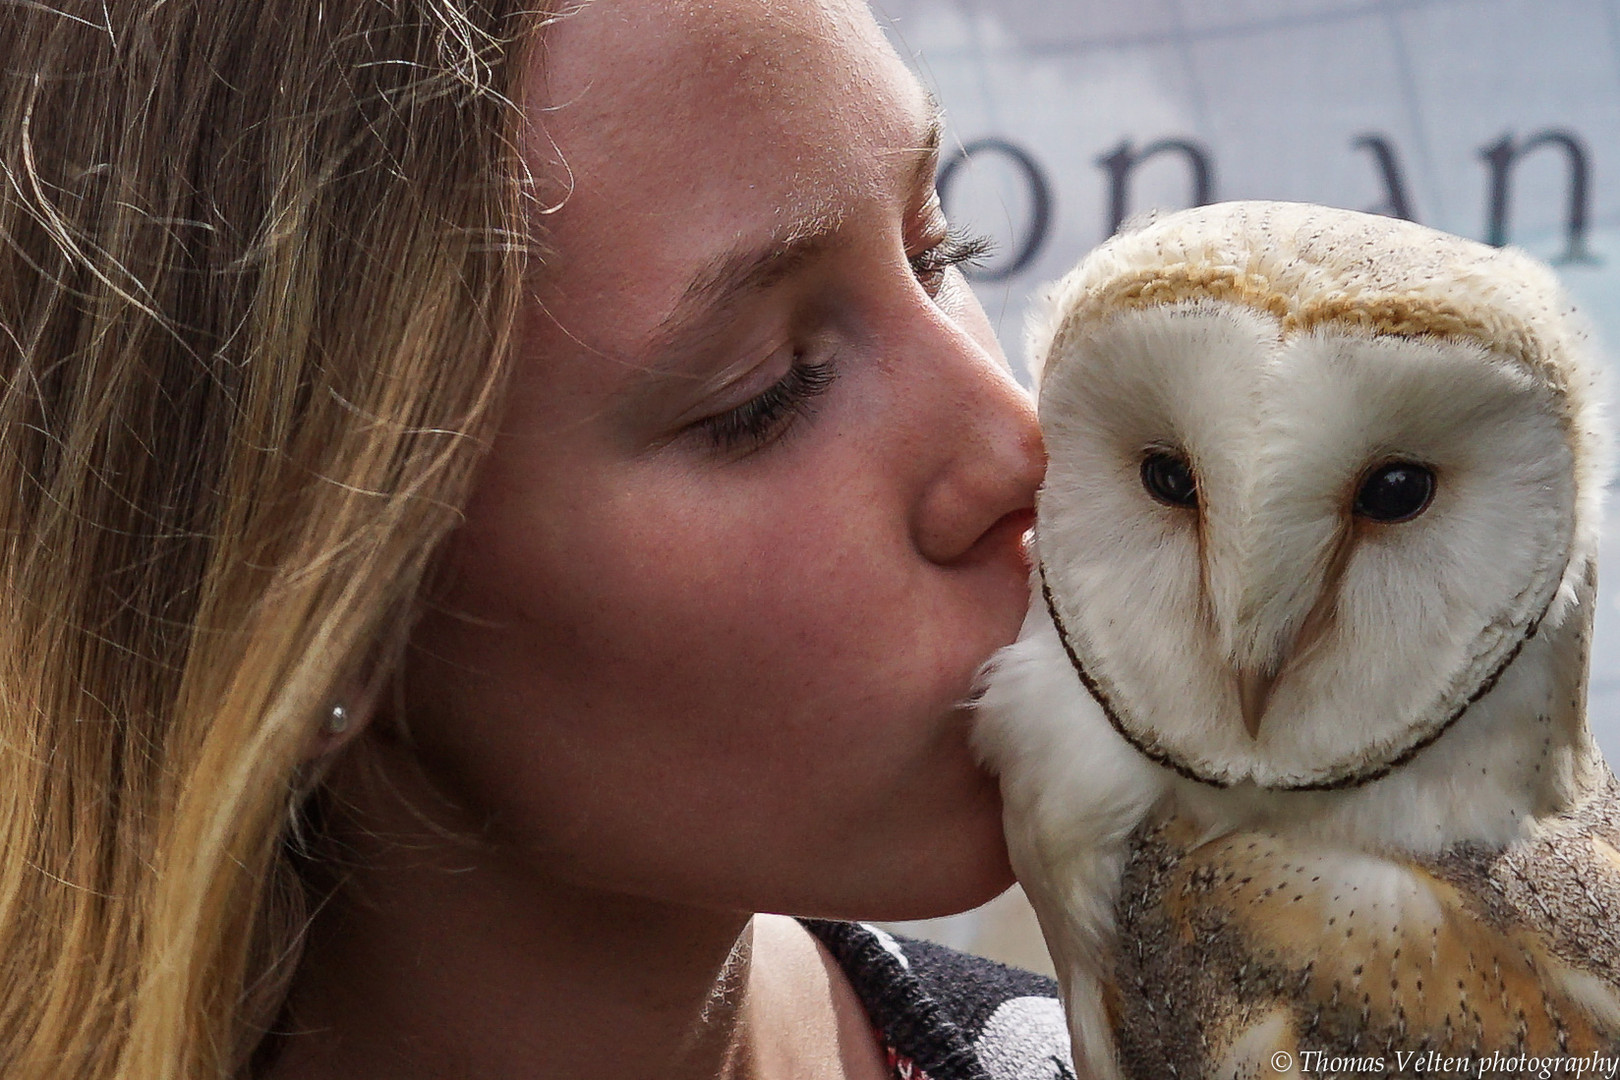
(946, 1015)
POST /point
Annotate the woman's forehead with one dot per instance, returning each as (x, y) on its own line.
(661, 77)
(676, 133)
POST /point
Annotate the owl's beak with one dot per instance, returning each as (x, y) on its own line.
(1254, 694)
(1257, 677)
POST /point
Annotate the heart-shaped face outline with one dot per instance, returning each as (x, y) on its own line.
(1484, 635)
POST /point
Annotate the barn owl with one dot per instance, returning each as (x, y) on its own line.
(1293, 745)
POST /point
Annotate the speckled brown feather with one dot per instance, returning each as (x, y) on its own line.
(1467, 957)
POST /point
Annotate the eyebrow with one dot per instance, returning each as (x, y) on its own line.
(716, 288)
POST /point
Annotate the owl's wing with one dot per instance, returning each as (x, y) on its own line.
(1558, 895)
(1252, 942)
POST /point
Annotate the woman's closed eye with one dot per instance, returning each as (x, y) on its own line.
(763, 418)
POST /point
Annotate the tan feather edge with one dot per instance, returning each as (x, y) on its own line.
(1399, 315)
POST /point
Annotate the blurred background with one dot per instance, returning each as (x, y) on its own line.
(1494, 119)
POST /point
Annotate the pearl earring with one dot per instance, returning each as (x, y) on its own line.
(337, 721)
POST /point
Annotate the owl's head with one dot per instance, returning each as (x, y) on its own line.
(1315, 478)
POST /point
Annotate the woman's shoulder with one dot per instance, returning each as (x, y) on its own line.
(947, 1015)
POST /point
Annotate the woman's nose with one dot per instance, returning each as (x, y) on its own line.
(990, 463)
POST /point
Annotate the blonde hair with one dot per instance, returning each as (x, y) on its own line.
(259, 261)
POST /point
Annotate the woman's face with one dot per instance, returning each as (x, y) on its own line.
(755, 514)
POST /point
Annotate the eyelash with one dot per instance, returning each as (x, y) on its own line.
(758, 420)
(958, 248)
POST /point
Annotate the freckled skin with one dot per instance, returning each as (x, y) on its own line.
(735, 679)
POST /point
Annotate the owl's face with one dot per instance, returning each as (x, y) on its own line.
(1295, 554)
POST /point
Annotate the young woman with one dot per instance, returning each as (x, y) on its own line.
(494, 500)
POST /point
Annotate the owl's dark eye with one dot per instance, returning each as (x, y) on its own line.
(1399, 491)
(1169, 478)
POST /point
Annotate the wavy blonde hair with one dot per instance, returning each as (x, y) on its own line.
(259, 260)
